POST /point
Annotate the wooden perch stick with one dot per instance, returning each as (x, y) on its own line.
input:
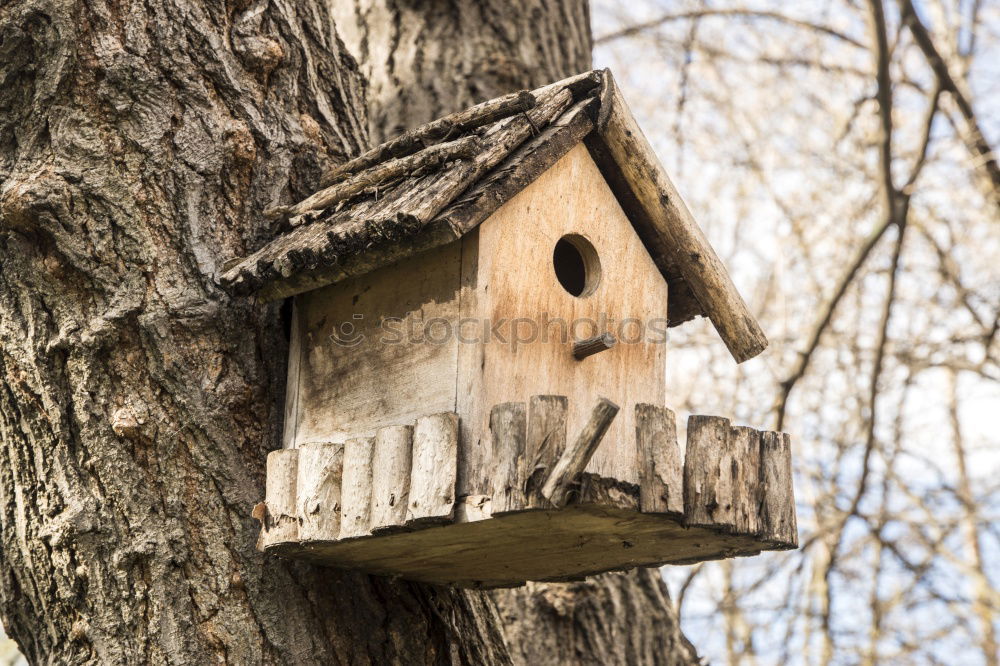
(434, 131)
(576, 456)
(584, 348)
(464, 148)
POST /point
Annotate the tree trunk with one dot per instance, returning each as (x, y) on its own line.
(139, 144)
(425, 59)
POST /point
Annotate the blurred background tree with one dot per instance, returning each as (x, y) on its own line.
(840, 156)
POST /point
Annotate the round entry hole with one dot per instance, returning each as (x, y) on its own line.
(576, 264)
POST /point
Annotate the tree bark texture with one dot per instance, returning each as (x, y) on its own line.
(139, 146)
(426, 59)
(609, 619)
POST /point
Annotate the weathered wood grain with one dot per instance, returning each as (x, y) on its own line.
(745, 444)
(545, 442)
(432, 474)
(472, 508)
(508, 426)
(464, 148)
(281, 524)
(661, 479)
(356, 487)
(449, 126)
(576, 456)
(320, 469)
(708, 475)
(777, 507)
(366, 360)
(391, 477)
(665, 223)
(607, 493)
(520, 169)
(579, 540)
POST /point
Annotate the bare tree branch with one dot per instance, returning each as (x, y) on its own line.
(976, 139)
(897, 205)
(703, 13)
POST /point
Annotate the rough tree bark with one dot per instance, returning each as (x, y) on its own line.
(425, 59)
(139, 145)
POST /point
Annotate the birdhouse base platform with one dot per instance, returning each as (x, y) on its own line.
(385, 505)
(542, 545)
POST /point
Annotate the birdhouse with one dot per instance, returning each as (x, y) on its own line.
(477, 387)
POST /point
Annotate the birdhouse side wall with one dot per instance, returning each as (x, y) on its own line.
(375, 350)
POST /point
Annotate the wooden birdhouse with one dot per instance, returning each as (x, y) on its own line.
(476, 383)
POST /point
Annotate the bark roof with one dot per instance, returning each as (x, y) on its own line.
(433, 184)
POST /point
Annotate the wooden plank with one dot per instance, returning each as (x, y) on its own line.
(356, 487)
(576, 456)
(545, 442)
(281, 524)
(291, 418)
(777, 507)
(745, 443)
(432, 477)
(508, 425)
(708, 479)
(471, 400)
(666, 225)
(661, 480)
(579, 540)
(391, 477)
(371, 355)
(320, 469)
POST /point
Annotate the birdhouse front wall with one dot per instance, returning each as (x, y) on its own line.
(509, 274)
